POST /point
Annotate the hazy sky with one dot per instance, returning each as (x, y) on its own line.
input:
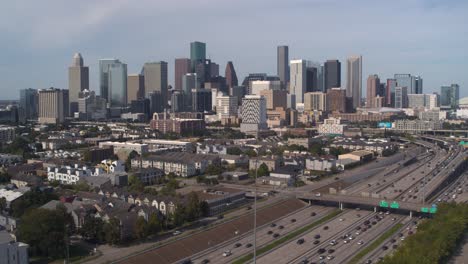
(421, 37)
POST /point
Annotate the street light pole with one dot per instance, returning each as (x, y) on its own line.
(255, 215)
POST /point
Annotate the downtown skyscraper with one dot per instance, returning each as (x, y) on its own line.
(78, 80)
(373, 90)
(105, 65)
(332, 74)
(354, 80)
(155, 74)
(197, 54)
(282, 66)
(230, 74)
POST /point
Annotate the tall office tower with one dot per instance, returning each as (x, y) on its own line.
(78, 80)
(181, 67)
(315, 101)
(203, 72)
(189, 82)
(197, 53)
(431, 101)
(214, 70)
(282, 66)
(226, 106)
(52, 105)
(416, 100)
(354, 79)
(449, 96)
(401, 97)
(219, 83)
(230, 74)
(135, 87)
(201, 100)
(141, 105)
(275, 98)
(253, 114)
(321, 78)
(117, 93)
(177, 101)
(413, 83)
(104, 66)
(157, 104)
(239, 92)
(390, 92)
(156, 78)
(28, 104)
(257, 86)
(312, 79)
(332, 74)
(298, 79)
(91, 106)
(336, 100)
(373, 88)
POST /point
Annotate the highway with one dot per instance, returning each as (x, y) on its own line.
(264, 235)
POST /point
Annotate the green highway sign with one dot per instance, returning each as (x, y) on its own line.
(383, 203)
(433, 210)
(424, 209)
(394, 205)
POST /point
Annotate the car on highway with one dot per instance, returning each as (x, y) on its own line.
(280, 227)
(313, 214)
(345, 241)
(360, 242)
(321, 251)
(248, 245)
(384, 248)
(227, 253)
(275, 235)
(325, 227)
(205, 261)
(316, 242)
(300, 241)
(322, 257)
(304, 261)
(317, 236)
(269, 232)
(330, 257)
(333, 242)
(186, 261)
(176, 233)
(330, 251)
(341, 219)
(293, 220)
(237, 245)
(273, 225)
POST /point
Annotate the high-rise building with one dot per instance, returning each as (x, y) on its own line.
(282, 66)
(117, 93)
(315, 101)
(201, 100)
(373, 90)
(230, 74)
(52, 105)
(256, 77)
(298, 79)
(177, 101)
(332, 74)
(390, 92)
(91, 106)
(219, 83)
(104, 65)
(226, 106)
(78, 80)
(253, 114)
(141, 105)
(181, 67)
(416, 100)
(28, 104)
(312, 72)
(257, 86)
(157, 104)
(274, 98)
(197, 53)
(135, 87)
(214, 70)
(414, 84)
(401, 97)
(156, 78)
(239, 92)
(431, 101)
(449, 96)
(336, 100)
(354, 80)
(189, 82)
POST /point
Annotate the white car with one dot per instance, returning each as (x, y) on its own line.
(360, 242)
(341, 219)
(330, 257)
(177, 233)
(227, 253)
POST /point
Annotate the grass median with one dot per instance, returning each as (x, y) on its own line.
(287, 237)
(376, 243)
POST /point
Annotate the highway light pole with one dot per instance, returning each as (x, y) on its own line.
(255, 215)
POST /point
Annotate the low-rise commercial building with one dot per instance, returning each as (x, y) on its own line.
(359, 156)
(11, 251)
(220, 200)
(417, 125)
(125, 146)
(331, 126)
(159, 144)
(149, 176)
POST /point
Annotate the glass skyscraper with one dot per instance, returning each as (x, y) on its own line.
(449, 96)
(113, 82)
(197, 53)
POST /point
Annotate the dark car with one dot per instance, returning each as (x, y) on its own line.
(395, 246)
(186, 261)
(276, 235)
(270, 232)
(248, 245)
(293, 220)
(313, 214)
(300, 241)
(384, 248)
(317, 236)
(220, 216)
(273, 225)
(280, 227)
(316, 242)
(321, 250)
(400, 234)
(358, 228)
(237, 245)
(393, 240)
(331, 250)
(325, 227)
(205, 261)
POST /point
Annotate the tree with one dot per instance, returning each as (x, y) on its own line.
(128, 162)
(87, 156)
(44, 230)
(93, 229)
(154, 224)
(4, 177)
(204, 208)
(178, 217)
(213, 169)
(141, 228)
(31, 199)
(250, 153)
(112, 231)
(192, 210)
(3, 204)
(263, 170)
(135, 184)
(234, 151)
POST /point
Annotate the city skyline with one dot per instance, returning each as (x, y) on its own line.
(438, 61)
